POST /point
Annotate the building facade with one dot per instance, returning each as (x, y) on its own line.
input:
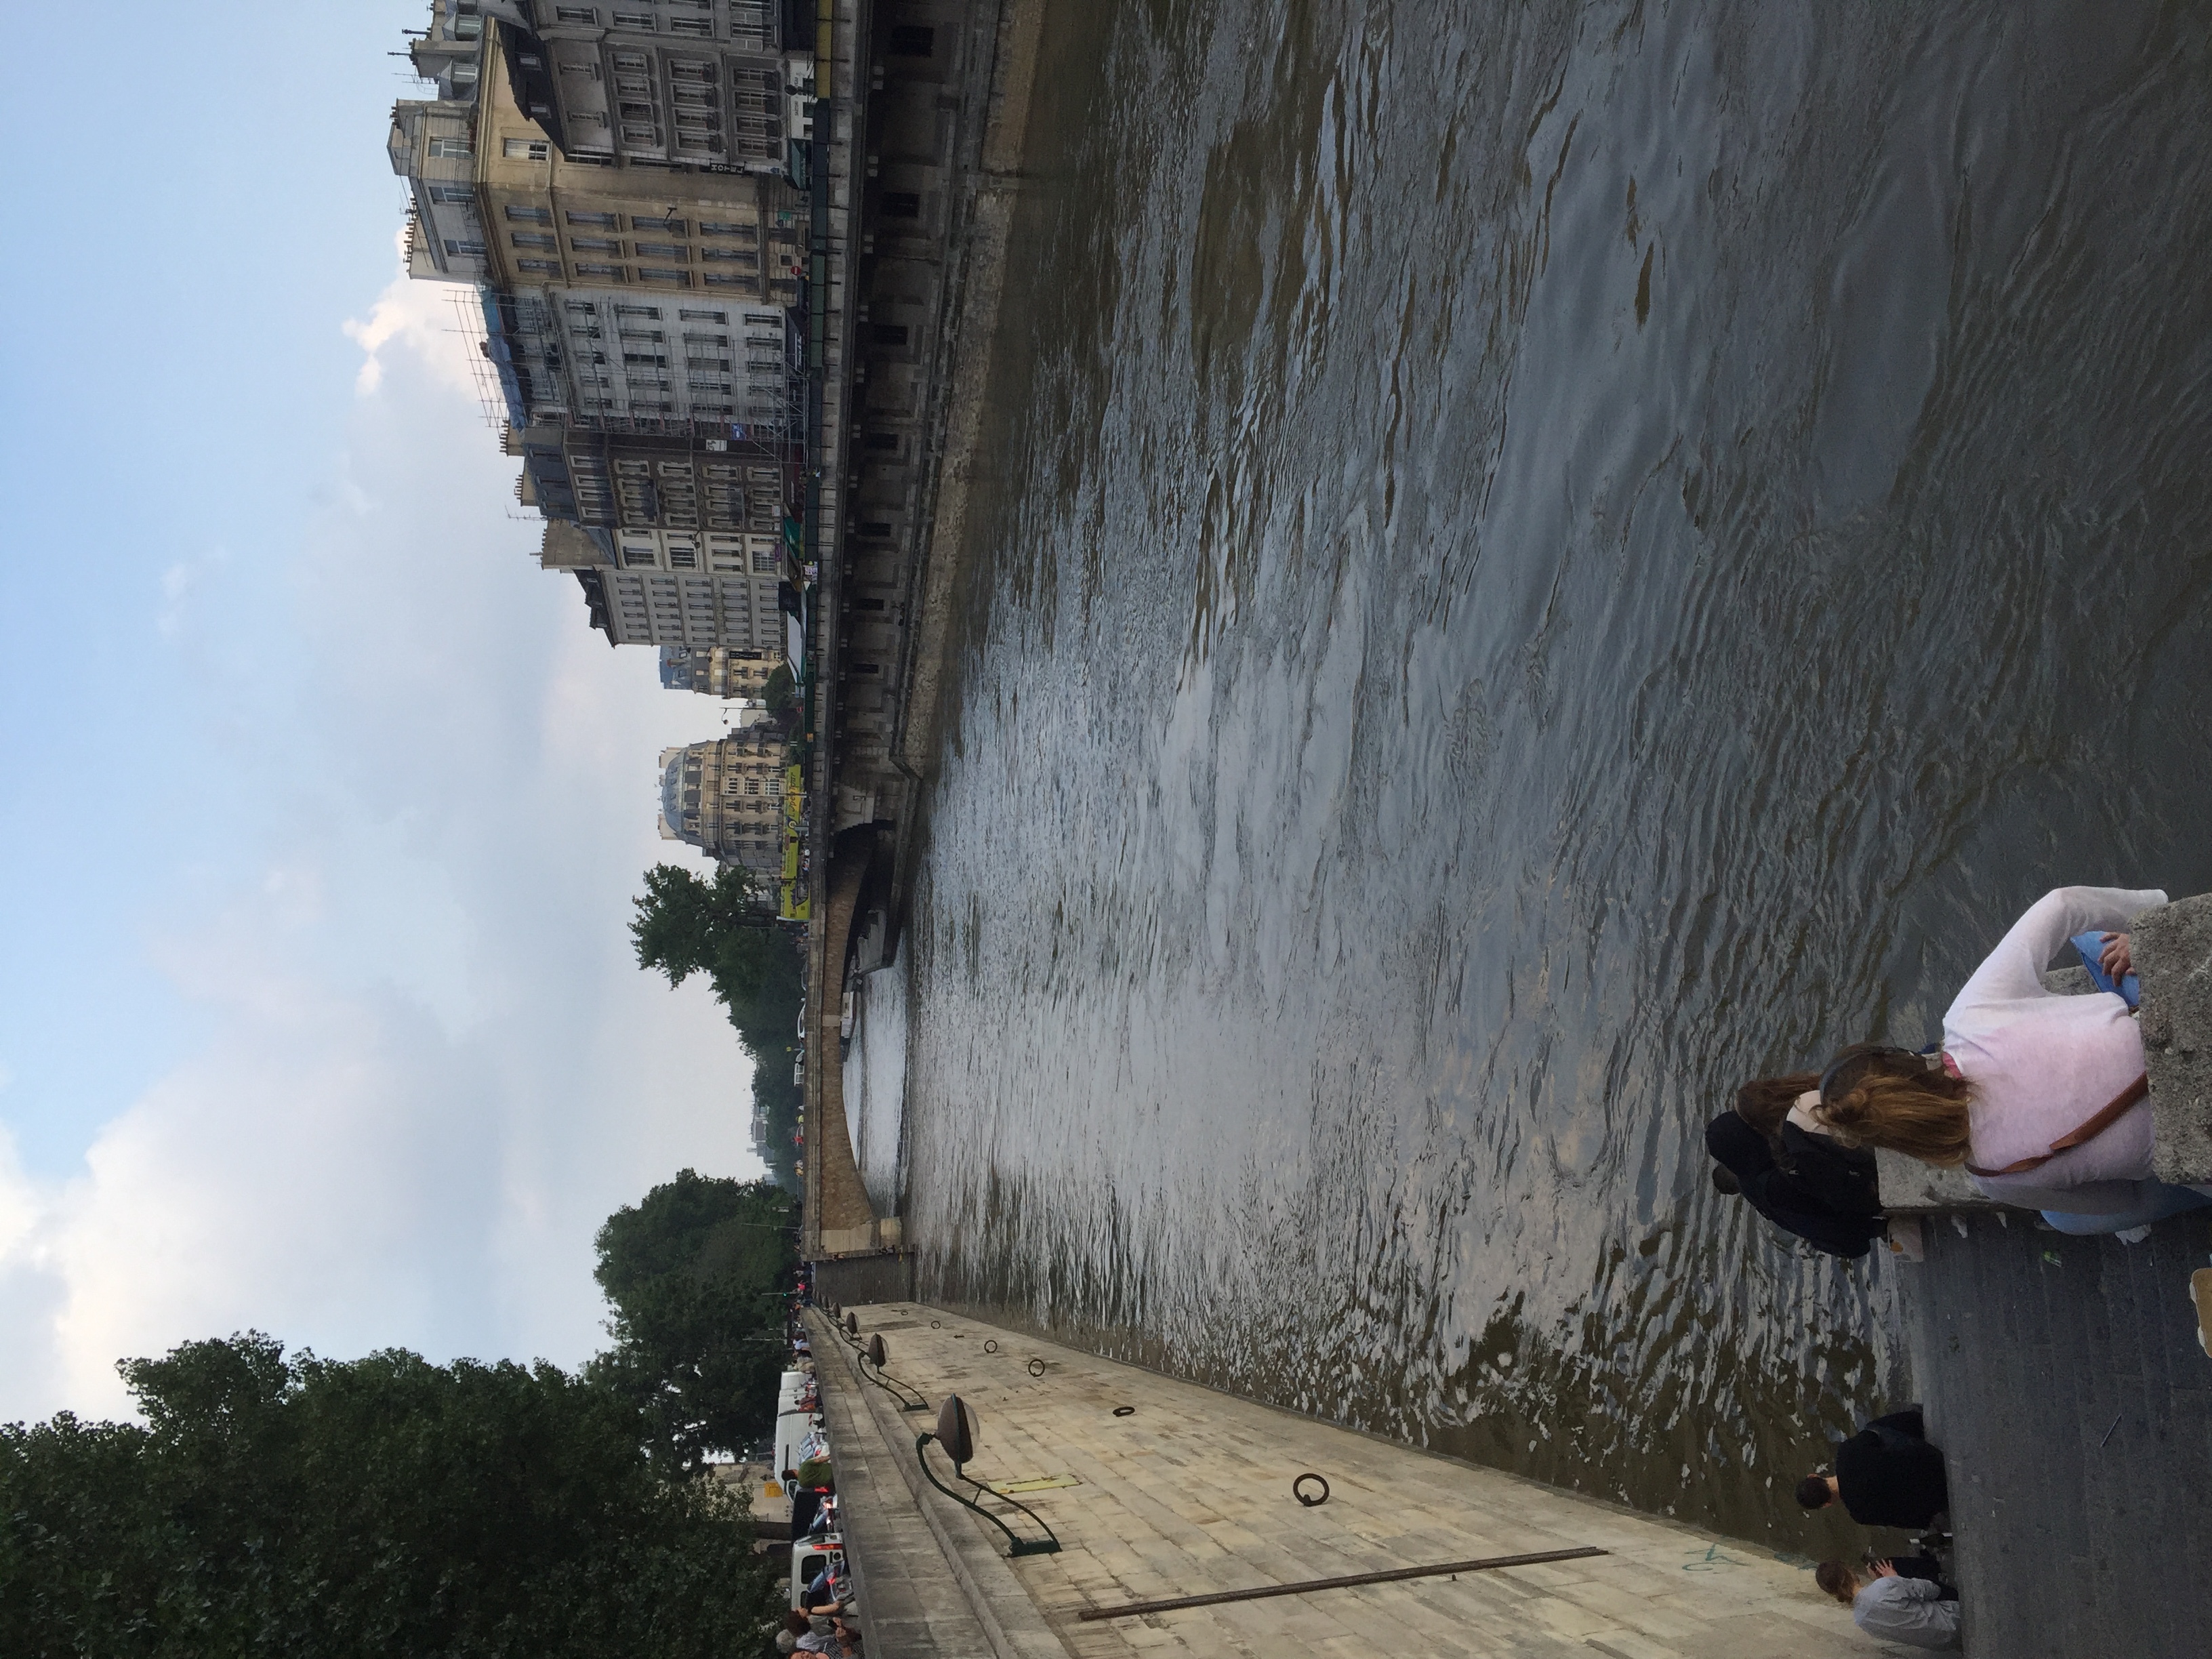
(559, 220)
(699, 85)
(716, 671)
(660, 498)
(726, 798)
(610, 359)
(712, 601)
(498, 200)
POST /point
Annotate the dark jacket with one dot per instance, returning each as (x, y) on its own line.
(1824, 1192)
(1888, 1475)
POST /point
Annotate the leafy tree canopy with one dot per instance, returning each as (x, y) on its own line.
(780, 691)
(383, 1506)
(687, 924)
(697, 1275)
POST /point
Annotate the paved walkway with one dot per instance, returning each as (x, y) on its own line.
(1191, 1493)
(2062, 1379)
(911, 1607)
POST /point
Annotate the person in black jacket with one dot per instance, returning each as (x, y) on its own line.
(1886, 1474)
(1807, 1184)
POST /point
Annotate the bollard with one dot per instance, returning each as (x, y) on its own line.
(956, 1432)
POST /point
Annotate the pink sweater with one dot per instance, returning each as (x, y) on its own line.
(2042, 1064)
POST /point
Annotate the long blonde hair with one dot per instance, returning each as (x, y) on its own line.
(1838, 1580)
(1922, 1115)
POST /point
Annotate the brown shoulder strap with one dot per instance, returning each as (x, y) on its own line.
(2114, 1111)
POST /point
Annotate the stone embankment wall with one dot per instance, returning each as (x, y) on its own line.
(839, 1216)
(1189, 1491)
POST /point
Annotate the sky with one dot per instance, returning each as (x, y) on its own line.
(322, 806)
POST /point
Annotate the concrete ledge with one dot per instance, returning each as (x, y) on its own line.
(1908, 1186)
(2173, 959)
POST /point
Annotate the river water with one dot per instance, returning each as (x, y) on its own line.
(1545, 560)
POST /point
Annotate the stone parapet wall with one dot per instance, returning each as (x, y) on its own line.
(840, 1218)
(2173, 957)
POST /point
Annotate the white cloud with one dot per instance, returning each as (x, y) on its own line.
(429, 318)
(432, 1065)
(179, 581)
(335, 1168)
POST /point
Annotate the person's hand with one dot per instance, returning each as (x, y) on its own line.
(1883, 1568)
(2117, 960)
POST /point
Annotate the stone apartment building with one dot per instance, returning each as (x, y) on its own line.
(681, 85)
(716, 671)
(620, 292)
(711, 602)
(616, 361)
(700, 84)
(726, 798)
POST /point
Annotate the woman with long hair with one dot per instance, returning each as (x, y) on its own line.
(1790, 1169)
(1895, 1601)
(2039, 1095)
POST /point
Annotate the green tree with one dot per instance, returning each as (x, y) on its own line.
(383, 1506)
(697, 1275)
(779, 692)
(776, 1101)
(688, 925)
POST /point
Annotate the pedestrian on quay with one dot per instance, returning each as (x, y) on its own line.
(1900, 1600)
(1791, 1169)
(1887, 1474)
(2042, 1097)
(819, 1599)
(802, 1634)
(805, 1503)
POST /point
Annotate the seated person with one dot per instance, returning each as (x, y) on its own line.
(1886, 1475)
(2040, 1096)
(801, 1634)
(1789, 1170)
(1895, 1601)
(819, 1599)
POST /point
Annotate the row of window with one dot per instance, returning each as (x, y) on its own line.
(762, 349)
(647, 401)
(662, 224)
(738, 283)
(629, 310)
(644, 21)
(684, 556)
(543, 241)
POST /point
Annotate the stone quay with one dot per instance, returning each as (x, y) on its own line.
(1159, 1489)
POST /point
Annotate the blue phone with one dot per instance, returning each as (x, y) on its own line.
(2092, 949)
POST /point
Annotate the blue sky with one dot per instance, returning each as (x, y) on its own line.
(323, 805)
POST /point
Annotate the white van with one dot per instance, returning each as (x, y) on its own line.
(809, 1558)
(792, 1423)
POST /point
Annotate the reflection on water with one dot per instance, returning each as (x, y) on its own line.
(875, 1081)
(1549, 559)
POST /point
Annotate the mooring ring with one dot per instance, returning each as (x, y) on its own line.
(1036, 1368)
(990, 1345)
(1297, 1490)
(937, 1324)
(1124, 1410)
